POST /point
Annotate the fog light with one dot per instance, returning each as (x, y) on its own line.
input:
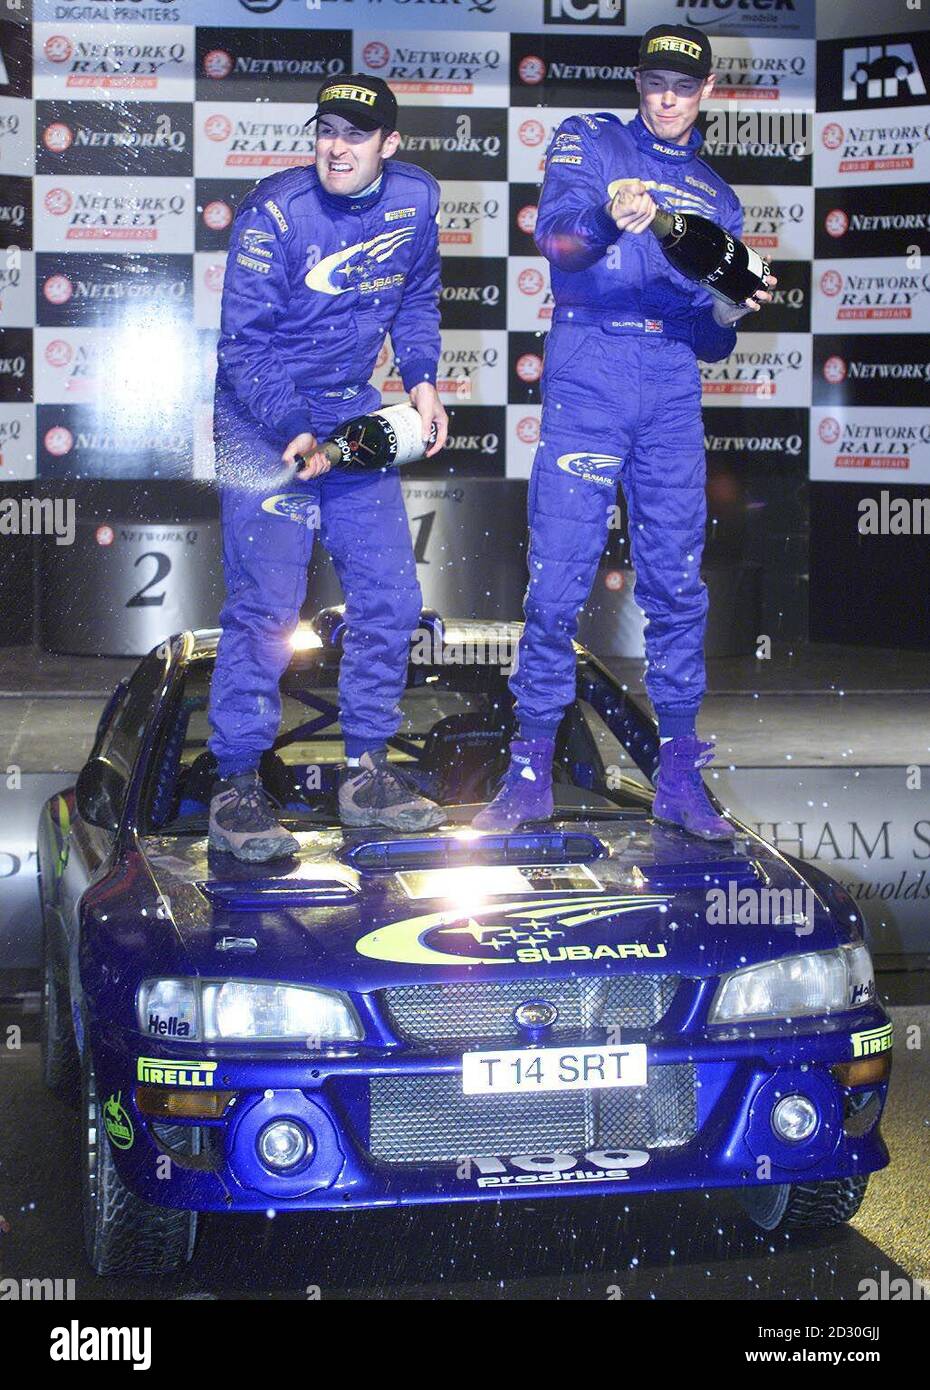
(283, 1145)
(794, 1118)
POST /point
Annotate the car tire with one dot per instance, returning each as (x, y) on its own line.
(61, 1065)
(123, 1234)
(799, 1205)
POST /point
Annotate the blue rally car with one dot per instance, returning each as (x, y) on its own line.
(595, 1004)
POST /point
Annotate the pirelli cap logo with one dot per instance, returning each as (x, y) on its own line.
(345, 91)
(872, 1040)
(671, 43)
(162, 1071)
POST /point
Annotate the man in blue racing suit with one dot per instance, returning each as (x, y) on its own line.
(622, 403)
(323, 263)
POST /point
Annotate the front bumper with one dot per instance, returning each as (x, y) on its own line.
(720, 1135)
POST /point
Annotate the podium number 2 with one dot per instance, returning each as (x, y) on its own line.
(142, 598)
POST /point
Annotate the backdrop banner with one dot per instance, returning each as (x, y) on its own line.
(130, 130)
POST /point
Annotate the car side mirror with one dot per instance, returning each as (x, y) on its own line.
(99, 794)
(108, 709)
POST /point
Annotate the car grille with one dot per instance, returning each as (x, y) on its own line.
(482, 1011)
(422, 1118)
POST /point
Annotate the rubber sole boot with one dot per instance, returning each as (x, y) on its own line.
(377, 793)
(681, 797)
(526, 791)
(242, 822)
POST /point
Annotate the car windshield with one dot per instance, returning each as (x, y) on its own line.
(453, 741)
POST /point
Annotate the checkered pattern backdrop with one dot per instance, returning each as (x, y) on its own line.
(130, 131)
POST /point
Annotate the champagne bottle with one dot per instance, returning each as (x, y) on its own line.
(702, 251)
(384, 439)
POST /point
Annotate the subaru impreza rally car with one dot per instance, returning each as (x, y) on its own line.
(592, 1004)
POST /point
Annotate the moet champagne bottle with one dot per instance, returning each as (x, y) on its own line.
(386, 438)
(702, 251)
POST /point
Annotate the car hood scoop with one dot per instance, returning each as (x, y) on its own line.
(712, 873)
(266, 894)
(449, 851)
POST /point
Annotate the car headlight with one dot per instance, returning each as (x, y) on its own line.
(222, 1010)
(238, 1009)
(818, 982)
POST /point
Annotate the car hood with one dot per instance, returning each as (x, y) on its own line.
(334, 917)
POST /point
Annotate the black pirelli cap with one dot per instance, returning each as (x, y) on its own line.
(677, 48)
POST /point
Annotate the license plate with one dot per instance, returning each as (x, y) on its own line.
(553, 1069)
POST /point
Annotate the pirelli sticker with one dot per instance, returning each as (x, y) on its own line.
(346, 91)
(250, 263)
(873, 1040)
(163, 1071)
(671, 43)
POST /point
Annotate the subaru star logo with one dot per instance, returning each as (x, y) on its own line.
(535, 1013)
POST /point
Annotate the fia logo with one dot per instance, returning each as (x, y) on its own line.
(879, 71)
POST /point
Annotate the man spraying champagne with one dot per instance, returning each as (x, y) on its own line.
(323, 263)
(622, 404)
